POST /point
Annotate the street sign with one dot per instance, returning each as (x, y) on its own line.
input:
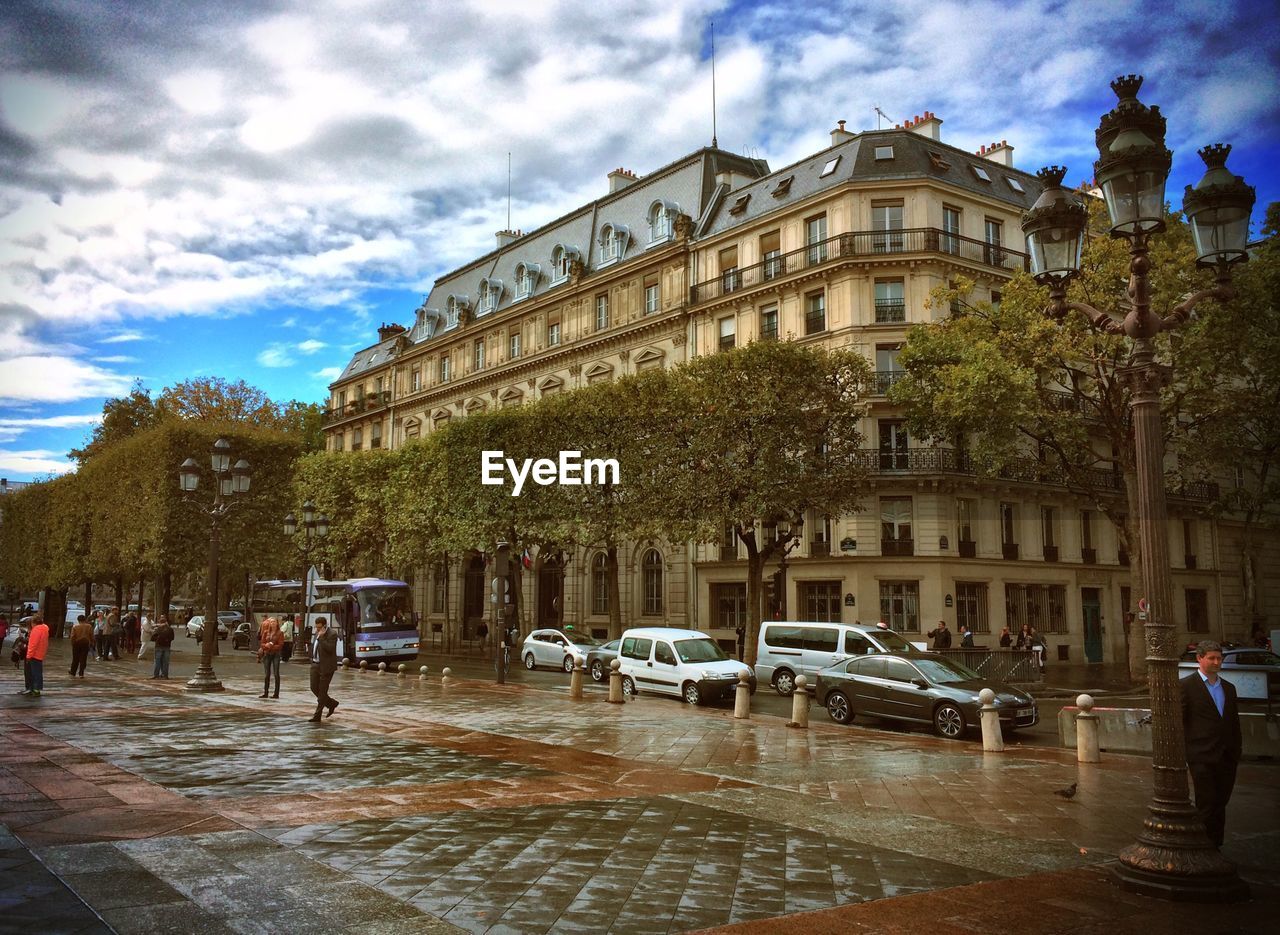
(500, 591)
(1142, 605)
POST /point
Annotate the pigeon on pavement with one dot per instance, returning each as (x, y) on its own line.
(1067, 793)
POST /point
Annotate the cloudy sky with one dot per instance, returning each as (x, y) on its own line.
(247, 189)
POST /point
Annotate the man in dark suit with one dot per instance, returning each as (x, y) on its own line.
(324, 661)
(1211, 725)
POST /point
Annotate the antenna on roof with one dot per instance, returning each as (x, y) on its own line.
(880, 113)
(508, 190)
(713, 85)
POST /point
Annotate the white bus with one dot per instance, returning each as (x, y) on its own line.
(373, 616)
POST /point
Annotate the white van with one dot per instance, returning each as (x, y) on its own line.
(788, 648)
(686, 663)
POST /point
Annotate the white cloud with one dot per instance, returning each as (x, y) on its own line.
(122, 337)
(116, 359)
(275, 355)
(311, 346)
(52, 379)
(37, 461)
(327, 374)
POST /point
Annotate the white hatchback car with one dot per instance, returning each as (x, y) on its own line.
(555, 648)
(686, 663)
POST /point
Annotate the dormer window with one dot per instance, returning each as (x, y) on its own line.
(526, 279)
(490, 294)
(1016, 185)
(784, 187)
(980, 173)
(740, 206)
(883, 153)
(662, 221)
(561, 258)
(454, 305)
(829, 167)
(613, 243)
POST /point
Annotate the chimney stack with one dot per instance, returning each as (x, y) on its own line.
(619, 179)
(390, 330)
(840, 134)
(1000, 153)
(927, 125)
(506, 237)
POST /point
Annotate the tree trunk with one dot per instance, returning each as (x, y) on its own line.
(119, 583)
(88, 601)
(164, 594)
(755, 594)
(615, 592)
(142, 584)
(55, 611)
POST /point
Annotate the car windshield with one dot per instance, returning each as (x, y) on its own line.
(581, 639)
(893, 642)
(944, 671)
(698, 650)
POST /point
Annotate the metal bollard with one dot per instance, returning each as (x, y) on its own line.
(615, 682)
(364, 665)
(445, 675)
(742, 703)
(575, 680)
(992, 738)
(422, 674)
(800, 704)
(402, 669)
(382, 668)
(1086, 731)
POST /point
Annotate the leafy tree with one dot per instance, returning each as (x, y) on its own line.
(1024, 397)
(773, 434)
(351, 489)
(219, 400)
(122, 417)
(306, 421)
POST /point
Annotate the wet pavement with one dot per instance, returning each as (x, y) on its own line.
(128, 805)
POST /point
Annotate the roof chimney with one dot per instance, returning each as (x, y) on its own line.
(1001, 153)
(928, 125)
(619, 179)
(508, 236)
(389, 330)
(840, 134)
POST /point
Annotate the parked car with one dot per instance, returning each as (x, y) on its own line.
(788, 648)
(241, 637)
(555, 648)
(1234, 657)
(1254, 672)
(599, 658)
(921, 688)
(195, 628)
(230, 617)
(686, 663)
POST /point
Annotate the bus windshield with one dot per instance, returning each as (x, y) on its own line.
(384, 608)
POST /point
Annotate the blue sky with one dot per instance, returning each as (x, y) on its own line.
(247, 189)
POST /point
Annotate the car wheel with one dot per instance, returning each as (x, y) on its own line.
(948, 721)
(597, 671)
(838, 708)
(568, 664)
(691, 693)
(629, 689)
(529, 663)
(784, 682)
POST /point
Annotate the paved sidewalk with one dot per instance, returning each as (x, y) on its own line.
(132, 806)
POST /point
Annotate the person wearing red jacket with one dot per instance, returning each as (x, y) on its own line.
(37, 647)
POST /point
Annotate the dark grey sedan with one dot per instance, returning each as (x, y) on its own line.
(921, 688)
(599, 658)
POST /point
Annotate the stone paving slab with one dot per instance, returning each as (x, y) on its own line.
(500, 809)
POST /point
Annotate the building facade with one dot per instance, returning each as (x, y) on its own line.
(843, 248)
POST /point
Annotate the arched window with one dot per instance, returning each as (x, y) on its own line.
(526, 279)
(599, 584)
(662, 217)
(559, 263)
(490, 294)
(613, 243)
(652, 573)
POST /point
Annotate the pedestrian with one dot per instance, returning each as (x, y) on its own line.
(966, 637)
(270, 642)
(18, 656)
(145, 636)
(287, 630)
(99, 634)
(941, 636)
(4, 628)
(741, 632)
(163, 638)
(132, 633)
(1036, 644)
(1006, 638)
(37, 647)
(324, 660)
(81, 643)
(112, 631)
(1211, 726)
(1024, 638)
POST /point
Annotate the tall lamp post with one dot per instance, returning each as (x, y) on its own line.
(314, 528)
(229, 482)
(1172, 857)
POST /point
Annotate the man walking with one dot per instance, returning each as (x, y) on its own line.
(163, 638)
(37, 647)
(81, 643)
(941, 636)
(270, 641)
(324, 660)
(286, 628)
(1211, 724)
(112, 631)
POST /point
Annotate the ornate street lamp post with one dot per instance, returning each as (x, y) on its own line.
(789, 532)
(1172, 857)
(229, 482)
(314, 528)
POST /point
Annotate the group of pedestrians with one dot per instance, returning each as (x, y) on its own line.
(275, 644)
(29, 649)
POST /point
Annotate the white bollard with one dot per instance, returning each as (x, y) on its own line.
(800, 704)
(742, 703)
(382, 668)
(344, 662)
(992, 738)
(422, 674)
(364, 665)
(402, 669)
(1086, 731)
(575, 679)
(615, 682)
(445, 675)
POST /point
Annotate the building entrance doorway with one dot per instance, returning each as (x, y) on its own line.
(550, 592)
(1091, 608)
(474, 608)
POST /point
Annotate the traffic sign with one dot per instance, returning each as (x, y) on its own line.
(1142, 605)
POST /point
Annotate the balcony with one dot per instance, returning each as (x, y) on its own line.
(370, 403)
(968, 548)
(1009, 550)
(860, 244)
(897, 547)
(884, 380)
(1050, 553)
(890, 310)
(819, 548)
(1089, 556)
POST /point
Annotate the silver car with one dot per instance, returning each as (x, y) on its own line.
(195, 628)
(555, 648)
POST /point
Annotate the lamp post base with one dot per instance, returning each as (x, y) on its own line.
(204, 681)
(1192, 871)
